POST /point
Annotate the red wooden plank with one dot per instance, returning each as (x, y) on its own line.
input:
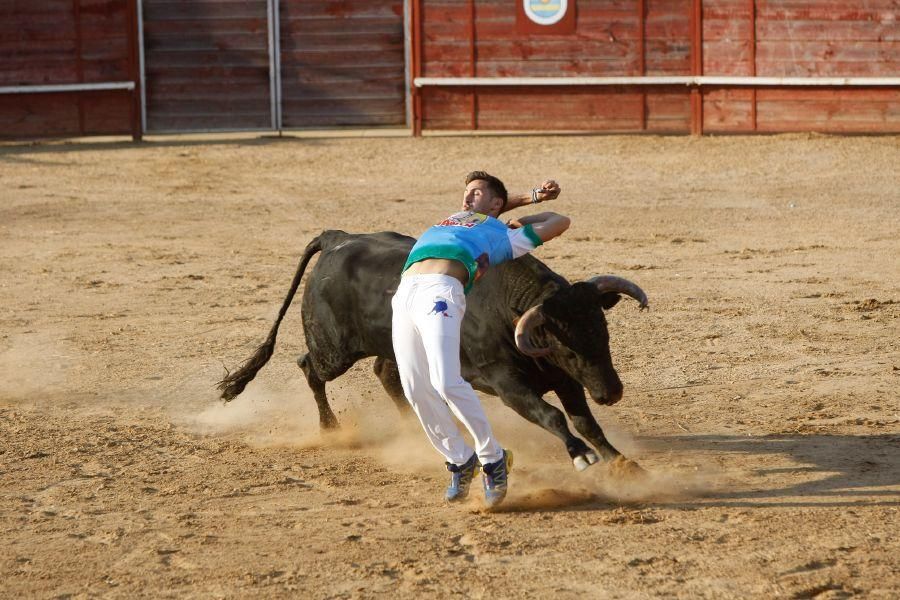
(38, 115)
(106, 113)
(837, 116)
(42, 115)
(727, 58)
(14, 8)
(588, 109)
(724, 30)
(825, 10)
(445, 108)
(728, 110)
(832, 31)
(820, 69)
(39, 73)
(823, 51)
(668, 111)
(577, 110)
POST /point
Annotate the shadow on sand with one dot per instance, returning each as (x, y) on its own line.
(826, 471)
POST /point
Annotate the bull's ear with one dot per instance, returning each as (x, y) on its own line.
(609, 299)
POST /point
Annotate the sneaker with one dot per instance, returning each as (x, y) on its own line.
(460, 479)
(495, 479)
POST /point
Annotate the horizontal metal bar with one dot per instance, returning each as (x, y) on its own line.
(659, 80)
(800, 81)
(542, 81)
(67, 87)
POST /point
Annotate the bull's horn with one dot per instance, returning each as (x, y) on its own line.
(620, 285)
(532, 318)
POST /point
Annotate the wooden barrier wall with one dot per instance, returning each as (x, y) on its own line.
(783, 38)
(207, 65)
(67, 42)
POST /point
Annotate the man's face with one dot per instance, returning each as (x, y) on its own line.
(479, 198)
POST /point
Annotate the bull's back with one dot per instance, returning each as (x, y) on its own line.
(347, 300)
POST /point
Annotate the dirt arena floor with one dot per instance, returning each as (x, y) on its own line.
(761, 389)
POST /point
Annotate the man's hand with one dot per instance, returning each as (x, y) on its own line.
(549, 190)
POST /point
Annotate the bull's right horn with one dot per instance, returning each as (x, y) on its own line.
(533, 318)
(620, 285)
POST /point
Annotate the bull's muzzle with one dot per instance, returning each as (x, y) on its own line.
(609, 396)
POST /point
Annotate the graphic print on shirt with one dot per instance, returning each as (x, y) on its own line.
(440, 307)
(466, 219)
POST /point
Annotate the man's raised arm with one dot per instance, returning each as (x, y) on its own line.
(549, 190)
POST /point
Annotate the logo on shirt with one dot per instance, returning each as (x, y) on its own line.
(440, 307)
(466, 219)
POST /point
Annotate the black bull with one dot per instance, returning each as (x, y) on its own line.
(526, 332)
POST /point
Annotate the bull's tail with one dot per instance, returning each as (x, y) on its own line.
(234, 383)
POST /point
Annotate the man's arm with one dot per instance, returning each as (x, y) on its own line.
(549, 190)
(546, 225)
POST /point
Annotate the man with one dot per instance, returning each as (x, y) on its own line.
(429, 306)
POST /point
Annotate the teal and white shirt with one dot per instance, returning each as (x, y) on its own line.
(476, 240)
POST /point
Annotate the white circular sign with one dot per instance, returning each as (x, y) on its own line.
(545, 12)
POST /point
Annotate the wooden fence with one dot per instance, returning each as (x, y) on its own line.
(80, 67)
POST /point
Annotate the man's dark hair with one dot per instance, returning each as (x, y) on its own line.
(495, 185)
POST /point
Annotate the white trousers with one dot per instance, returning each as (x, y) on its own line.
(426, 330)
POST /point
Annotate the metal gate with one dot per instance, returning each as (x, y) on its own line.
(220, 65)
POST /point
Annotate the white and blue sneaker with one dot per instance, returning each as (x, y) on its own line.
(495, 479)
(460, 479)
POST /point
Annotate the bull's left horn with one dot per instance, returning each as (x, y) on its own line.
(620, 285)
(532, 319)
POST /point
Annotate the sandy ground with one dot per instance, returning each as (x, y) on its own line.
(760, 390)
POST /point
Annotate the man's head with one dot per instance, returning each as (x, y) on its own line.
(484, 194)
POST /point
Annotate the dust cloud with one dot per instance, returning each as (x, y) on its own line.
(34, 365)
(542, 478)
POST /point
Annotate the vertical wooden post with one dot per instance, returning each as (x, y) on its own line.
(134, 68)
(79, 63)
(416, 59)
(753, 62)
(696, 65)
(642, 57)
(473, 97)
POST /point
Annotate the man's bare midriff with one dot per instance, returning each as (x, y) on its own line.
(442, 266)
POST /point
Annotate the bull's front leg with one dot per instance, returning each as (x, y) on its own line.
(529, 404)
(571, 394)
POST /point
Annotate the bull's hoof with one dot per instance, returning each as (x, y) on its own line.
(583, 461)
(329, 422)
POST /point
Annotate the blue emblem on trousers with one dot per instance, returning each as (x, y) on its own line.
(440, 307)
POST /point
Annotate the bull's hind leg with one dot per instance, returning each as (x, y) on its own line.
(386, 371)
(327, 419)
